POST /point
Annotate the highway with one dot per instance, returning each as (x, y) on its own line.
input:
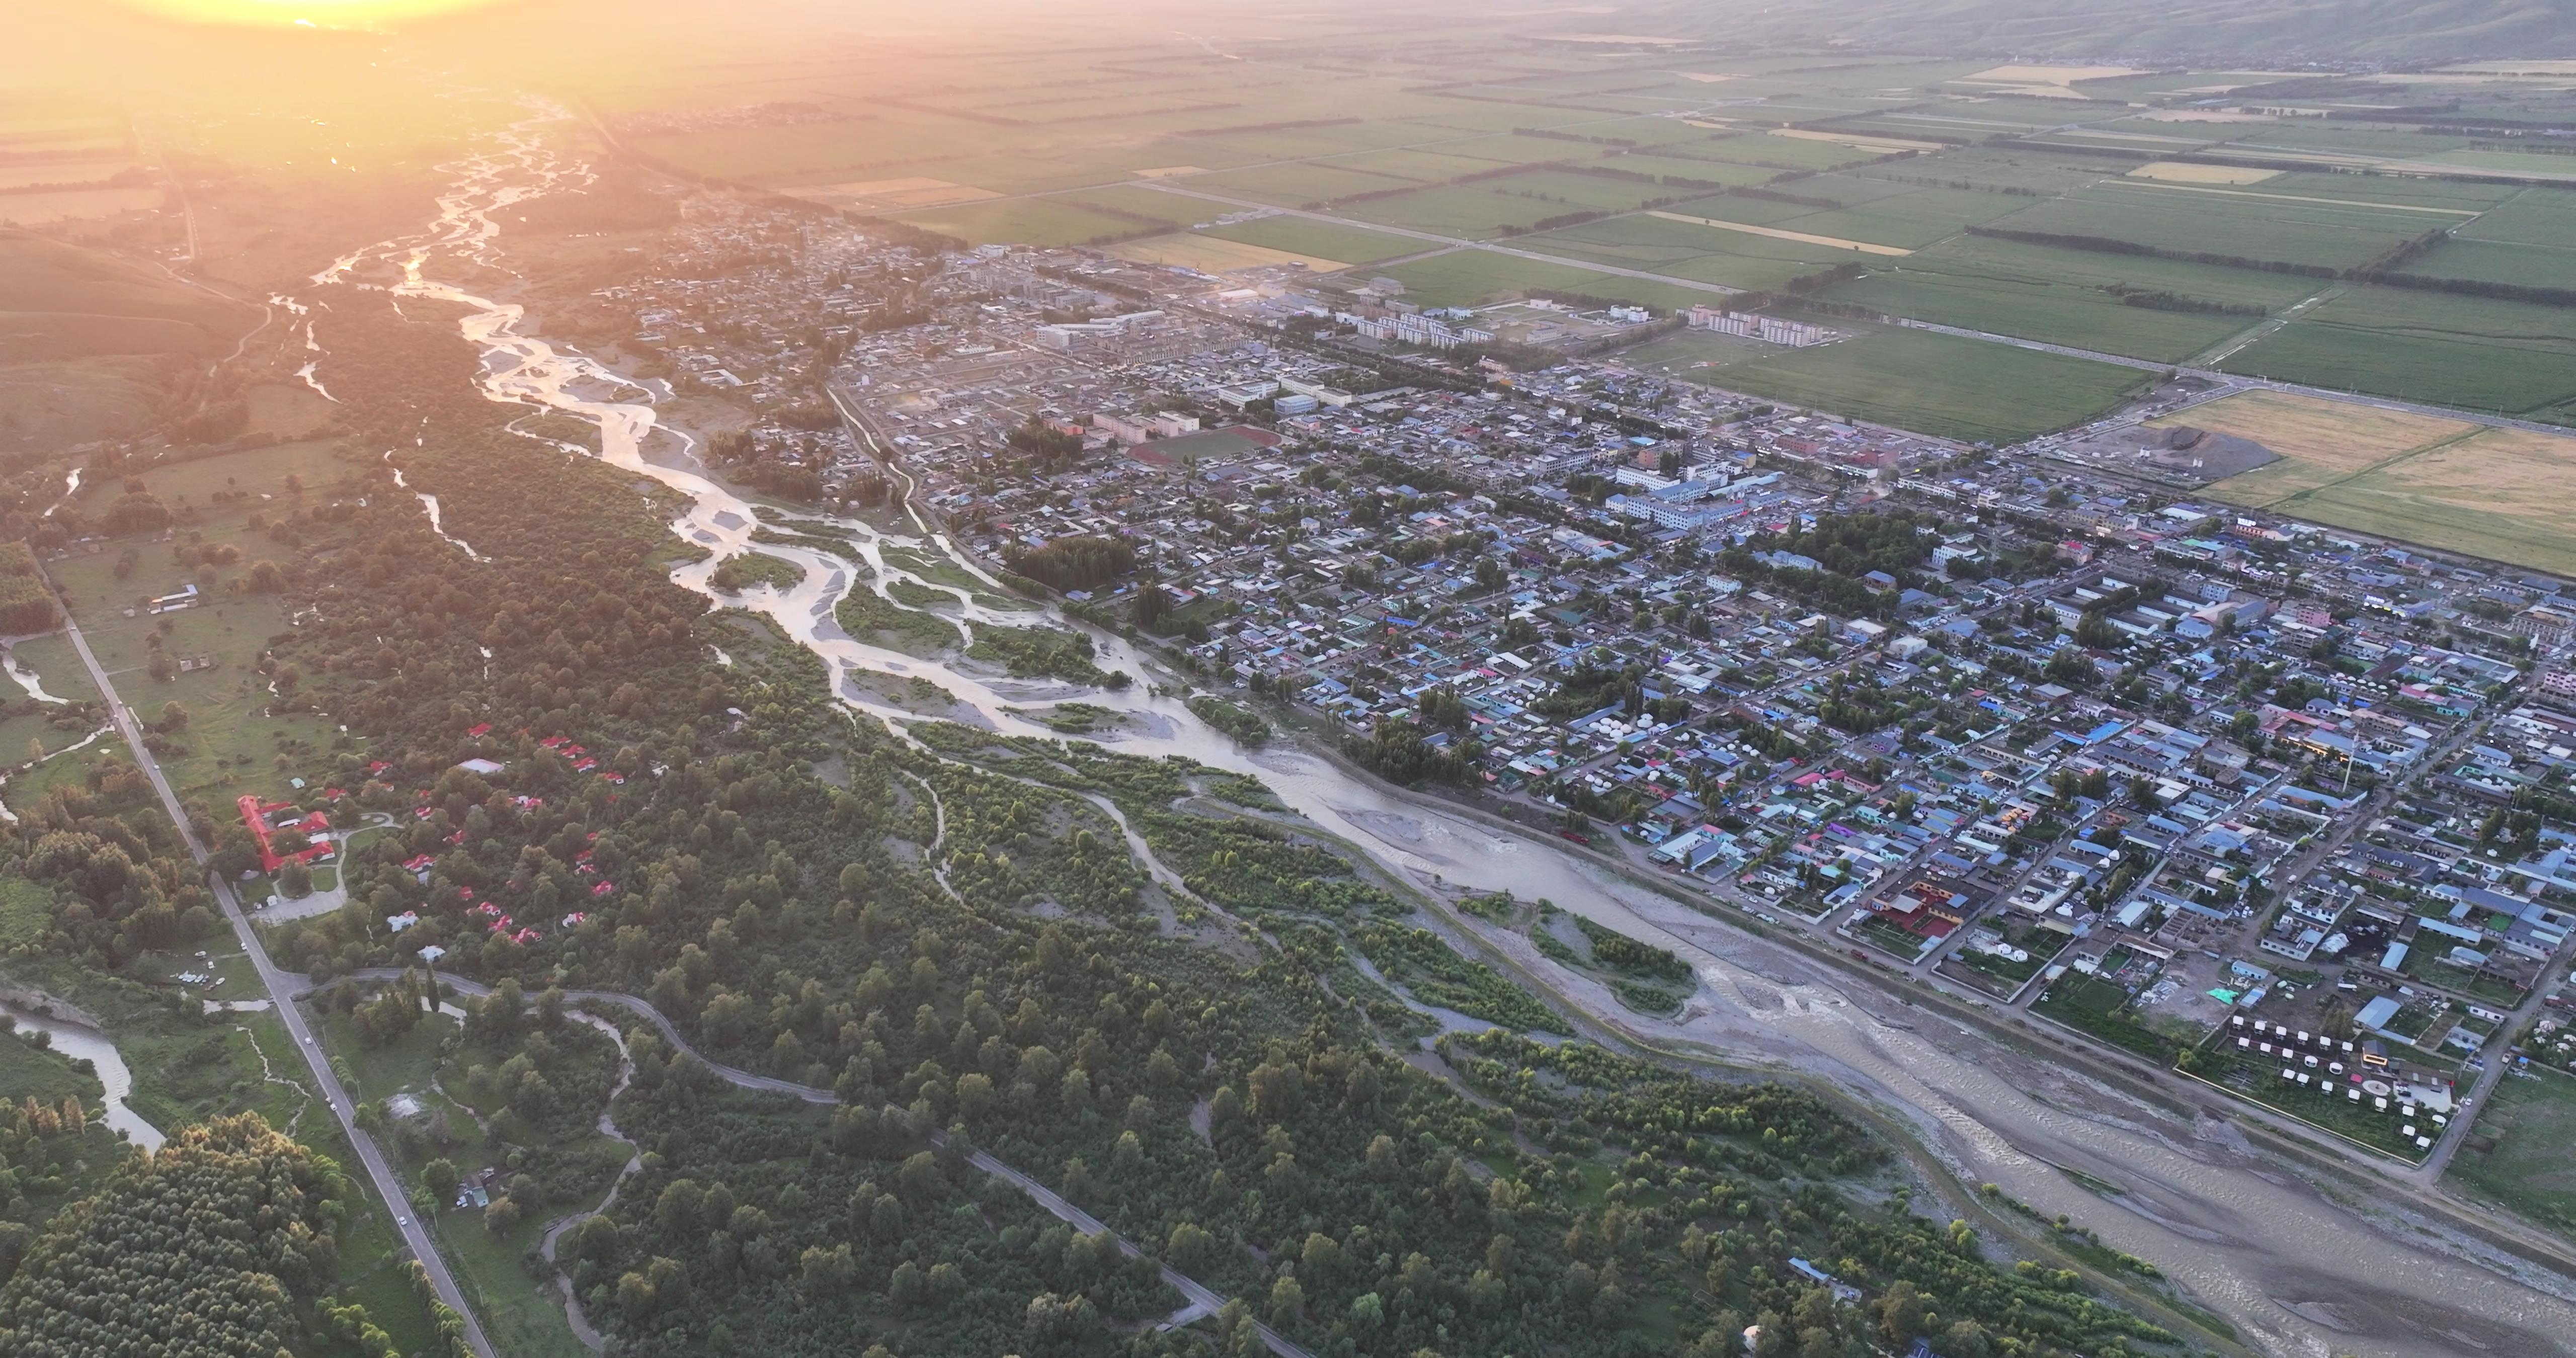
(281, 993)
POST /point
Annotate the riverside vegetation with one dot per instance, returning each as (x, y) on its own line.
(1211, 1070)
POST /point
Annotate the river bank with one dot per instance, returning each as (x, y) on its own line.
(2295, 1270)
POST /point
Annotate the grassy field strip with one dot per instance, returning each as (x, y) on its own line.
(1775, 233)
(1859, 140)
(1211, 254)
(2126, 182)
(2223, 350)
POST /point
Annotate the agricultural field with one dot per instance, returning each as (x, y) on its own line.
(2504, 494)
(2144, 214)
(1938, 384)
(1215, 254)
(2513, 358)
(1319, 240)
(2319, 442)
(2495, 493)
(1463, 278)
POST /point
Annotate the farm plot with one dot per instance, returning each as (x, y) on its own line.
(1299, 185)
(2471, 352)
(2505, 494)
(2482, 261)
(2313, 234)
(1470, 211)
(2387, 190)
(2319, 441)
(1910, 220)
(1686, 250)
(1213, 254)
(1323, 240)
(1689, 168)
(1024, 221)
(1911, 379)
(2044, 310)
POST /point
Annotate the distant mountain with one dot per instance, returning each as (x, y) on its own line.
(2194, 31)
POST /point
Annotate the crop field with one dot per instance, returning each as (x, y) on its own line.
(1909, 220)
(2505, 494)
(1939, 384)
(2335, 438)
(2049, 310)
(2485, 261)
(1297, 185)
(1842, 159)
(1679, 249)
(1023, 221)
(2329, 235)
(1471, 277)
(1305, 236)
(2478, 353)
(1215, 254)
(1469, 211)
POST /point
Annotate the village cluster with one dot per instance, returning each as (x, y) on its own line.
(2286, 810)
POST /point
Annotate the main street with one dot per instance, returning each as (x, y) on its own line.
(281, 994)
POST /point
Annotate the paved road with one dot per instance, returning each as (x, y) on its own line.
(281, 993)
(1202, 1299)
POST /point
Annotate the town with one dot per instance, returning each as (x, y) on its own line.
(2273, 806)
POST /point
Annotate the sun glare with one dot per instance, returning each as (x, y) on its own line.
(306, 13)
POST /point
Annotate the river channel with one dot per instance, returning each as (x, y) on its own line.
(2295, 1271)
(81, 1042)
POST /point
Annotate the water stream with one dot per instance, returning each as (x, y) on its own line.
(2295, 1272)
(429, 502)
(27, 679)
(81, 1042)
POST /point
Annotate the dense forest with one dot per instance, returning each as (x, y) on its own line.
(222, 1242)
(949, 936)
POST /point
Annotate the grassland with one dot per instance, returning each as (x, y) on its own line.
(2525, 1129)
(233, 744)
(1938, 384)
